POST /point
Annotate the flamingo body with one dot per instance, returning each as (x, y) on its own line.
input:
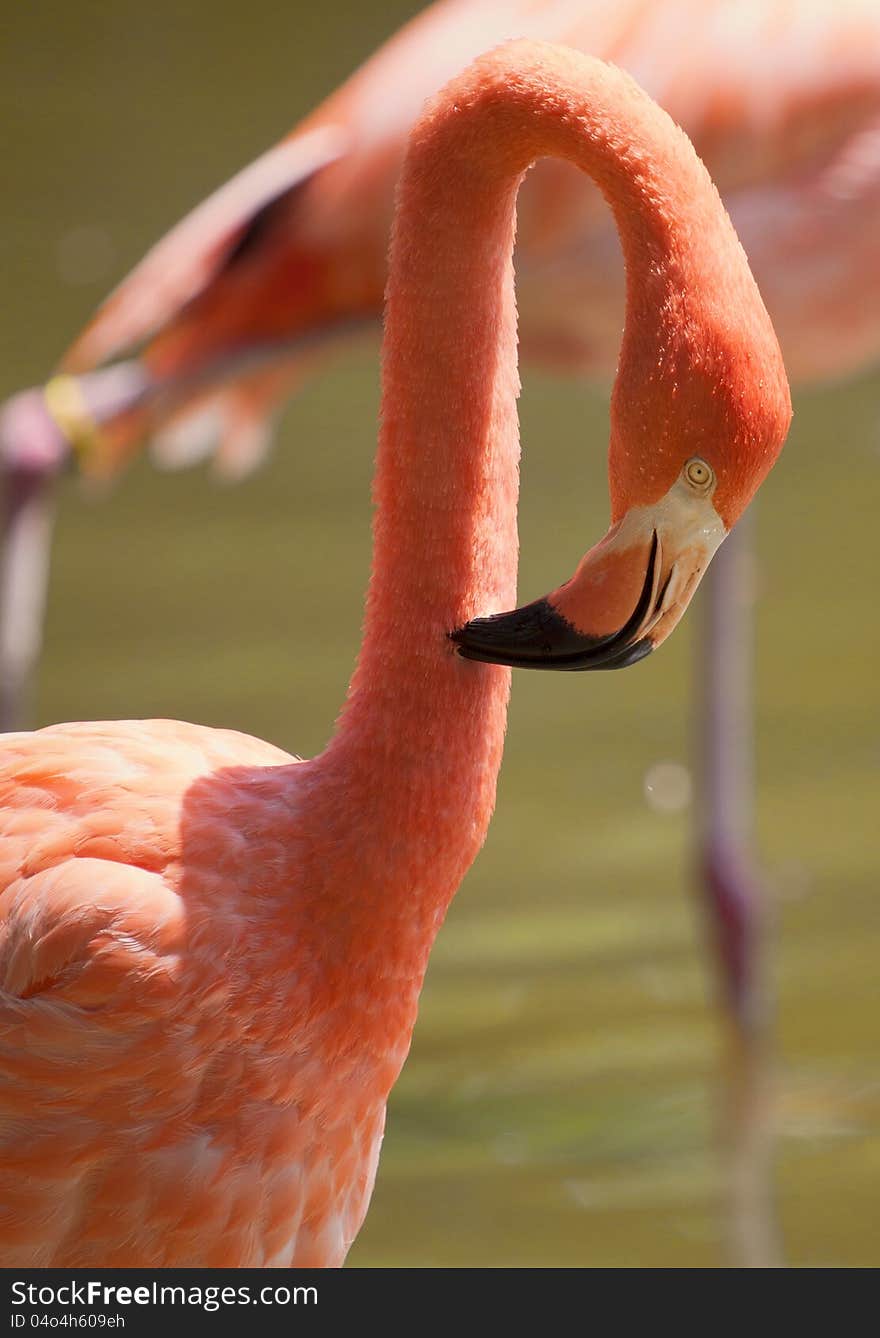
(147, 920)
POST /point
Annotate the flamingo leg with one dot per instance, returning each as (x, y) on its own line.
(36, 444)
(735, 903)
(24, 576)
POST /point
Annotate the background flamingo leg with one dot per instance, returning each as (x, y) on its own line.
(29, 511)
(735, 902)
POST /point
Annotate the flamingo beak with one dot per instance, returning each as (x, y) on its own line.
(624, 599)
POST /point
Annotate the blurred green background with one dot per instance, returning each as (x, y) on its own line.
(557, 1105)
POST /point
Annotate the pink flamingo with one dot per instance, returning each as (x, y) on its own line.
(211, 952)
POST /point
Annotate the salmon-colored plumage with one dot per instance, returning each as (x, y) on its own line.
(211, 952)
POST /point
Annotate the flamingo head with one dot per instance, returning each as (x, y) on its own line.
(683, 467)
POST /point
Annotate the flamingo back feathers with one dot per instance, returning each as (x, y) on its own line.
(150, 1108)
(193, 253)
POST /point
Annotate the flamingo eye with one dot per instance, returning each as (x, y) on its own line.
(698, 474)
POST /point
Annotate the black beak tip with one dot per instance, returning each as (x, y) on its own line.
(529, 637)
(538, 637)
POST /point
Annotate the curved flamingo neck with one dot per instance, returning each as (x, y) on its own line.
(418, 746)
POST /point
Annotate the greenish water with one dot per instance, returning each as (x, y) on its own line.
(556, 1107)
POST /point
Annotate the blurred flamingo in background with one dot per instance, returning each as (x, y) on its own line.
(211, 953)
(283, 264)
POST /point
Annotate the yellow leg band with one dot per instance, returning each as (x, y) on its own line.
(68, 409)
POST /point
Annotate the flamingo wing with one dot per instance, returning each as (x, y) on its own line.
(118, 1025)
(87, 953)
(185, 261)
